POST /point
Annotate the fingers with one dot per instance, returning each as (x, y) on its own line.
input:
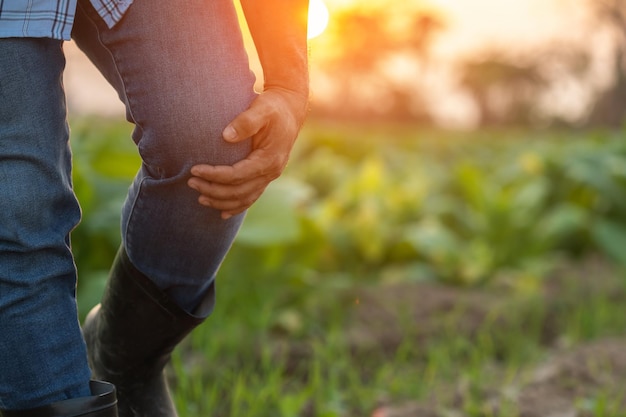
(229, 199)
(273, 110)
(245, 125)
(259, 163)
(233, 189)
(272, 122)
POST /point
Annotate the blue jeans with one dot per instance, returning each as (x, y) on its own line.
(182, 72)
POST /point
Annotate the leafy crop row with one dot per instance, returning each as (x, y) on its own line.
(394, 204)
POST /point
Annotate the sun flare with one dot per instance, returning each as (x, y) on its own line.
(318, 18)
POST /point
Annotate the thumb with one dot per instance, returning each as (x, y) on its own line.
(242, 127)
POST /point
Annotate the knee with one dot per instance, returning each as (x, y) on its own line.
(189, 132)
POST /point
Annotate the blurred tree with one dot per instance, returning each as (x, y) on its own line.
(509, 90)
(613, 11)
(610, 104)
(505, 92)
(375, 62)
(373, 55)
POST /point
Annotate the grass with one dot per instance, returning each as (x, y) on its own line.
(371, 209)
(232, 365)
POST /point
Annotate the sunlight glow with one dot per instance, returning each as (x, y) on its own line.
(318, 18)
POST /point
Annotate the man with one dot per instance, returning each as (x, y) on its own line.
(209, 147)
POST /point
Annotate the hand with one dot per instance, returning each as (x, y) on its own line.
(273, 121)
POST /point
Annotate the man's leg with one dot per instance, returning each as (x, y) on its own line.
(182, 71)
(183, 74)
(42, 354)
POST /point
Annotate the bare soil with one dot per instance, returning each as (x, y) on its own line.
(556, 387)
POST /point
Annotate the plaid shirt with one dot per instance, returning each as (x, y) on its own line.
(51, 18)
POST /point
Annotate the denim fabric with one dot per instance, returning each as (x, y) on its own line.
(181, 87)
(42, 354)
(183, 74)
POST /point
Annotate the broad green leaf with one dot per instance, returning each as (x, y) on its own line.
(432, 239)
(611, 237)
(274, 218)
(562, 221)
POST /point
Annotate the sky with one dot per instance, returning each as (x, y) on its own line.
(477, 25)
(472, 24)
(476, 22)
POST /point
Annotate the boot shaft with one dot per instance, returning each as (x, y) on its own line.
(136, 326)
(130, 337)
(103, 403)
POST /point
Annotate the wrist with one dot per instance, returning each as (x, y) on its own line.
(289, 102)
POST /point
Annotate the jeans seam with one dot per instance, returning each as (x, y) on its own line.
(129, 227)
(128, 105)
(125, 229)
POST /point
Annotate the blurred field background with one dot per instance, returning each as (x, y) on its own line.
(449, 238)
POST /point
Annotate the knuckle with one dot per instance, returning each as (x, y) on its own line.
(274, 168)
(240, 196)
(248, 201)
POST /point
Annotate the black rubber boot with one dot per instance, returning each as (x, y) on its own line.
(130, 337)
(102, 403)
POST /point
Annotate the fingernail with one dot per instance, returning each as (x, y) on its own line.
(230, 133)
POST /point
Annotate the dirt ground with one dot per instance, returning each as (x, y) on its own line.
(554, 388)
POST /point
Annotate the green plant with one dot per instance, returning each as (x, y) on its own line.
(379, 207)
